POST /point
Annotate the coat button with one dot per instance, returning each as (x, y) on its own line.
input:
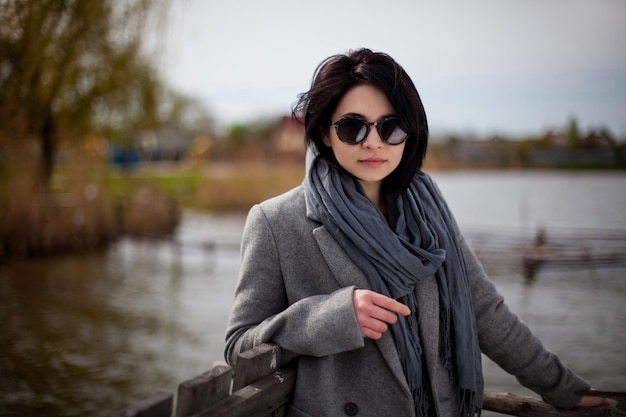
(351, 409)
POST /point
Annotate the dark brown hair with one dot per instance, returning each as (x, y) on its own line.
(338, 74)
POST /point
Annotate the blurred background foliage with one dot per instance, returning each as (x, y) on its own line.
(75, 78)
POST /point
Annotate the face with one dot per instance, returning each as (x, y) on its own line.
(371, 160)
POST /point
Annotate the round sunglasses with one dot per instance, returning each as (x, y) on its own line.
(353, 130)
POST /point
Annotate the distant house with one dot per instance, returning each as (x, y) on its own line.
(163, 144)
(482, 153)
(596, 149)
(598, 139)
(288, 138)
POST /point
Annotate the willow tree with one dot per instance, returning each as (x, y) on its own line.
(69, 68)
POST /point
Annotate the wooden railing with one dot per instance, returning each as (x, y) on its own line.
(257, 387)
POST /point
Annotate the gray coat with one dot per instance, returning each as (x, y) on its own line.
(295, 289)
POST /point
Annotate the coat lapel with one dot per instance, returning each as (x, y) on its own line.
(344, 270)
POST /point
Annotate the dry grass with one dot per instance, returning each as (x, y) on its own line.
(148, 212)
(36, 224)
(236, 187)
(76, 212)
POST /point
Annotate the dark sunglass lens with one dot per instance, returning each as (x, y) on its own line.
(351, 130)
(391, 132)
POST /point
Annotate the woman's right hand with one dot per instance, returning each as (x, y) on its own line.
(375, 312)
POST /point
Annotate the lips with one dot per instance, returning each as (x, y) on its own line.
(372, 162)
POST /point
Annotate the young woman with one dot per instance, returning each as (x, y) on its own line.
(362, 276)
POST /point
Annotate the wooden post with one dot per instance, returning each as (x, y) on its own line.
(200, 392)
(267, 397)
(255, 364)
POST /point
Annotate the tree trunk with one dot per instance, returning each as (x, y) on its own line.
(48, 151)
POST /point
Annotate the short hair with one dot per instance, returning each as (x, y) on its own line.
(339, 73)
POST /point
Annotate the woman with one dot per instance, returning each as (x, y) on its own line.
(362, 276)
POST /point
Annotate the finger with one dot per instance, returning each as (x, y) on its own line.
(366, 310)
(383, 315)
(390, 304)
(589, 401)
(374, 324)
(372, 334)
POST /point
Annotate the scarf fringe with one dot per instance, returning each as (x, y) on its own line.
(467, 404)
(420, 401)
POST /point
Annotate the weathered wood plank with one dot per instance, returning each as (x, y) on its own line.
(521, 406)
(158, 404)
(255, 364)
(257, 399)
(200, 392)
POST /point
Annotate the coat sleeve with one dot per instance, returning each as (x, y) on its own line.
(506, 340)
(315, 325)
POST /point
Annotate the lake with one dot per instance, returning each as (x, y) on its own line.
(85, 335)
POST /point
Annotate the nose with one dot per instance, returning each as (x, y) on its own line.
(373, 139)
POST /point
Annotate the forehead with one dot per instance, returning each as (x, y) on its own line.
(365, 100)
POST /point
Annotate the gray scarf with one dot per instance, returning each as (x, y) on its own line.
(416, 241)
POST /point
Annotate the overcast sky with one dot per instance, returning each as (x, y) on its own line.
(482, 66)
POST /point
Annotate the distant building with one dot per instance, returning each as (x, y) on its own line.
(288, 138)
(165, 143)
(488, 153)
